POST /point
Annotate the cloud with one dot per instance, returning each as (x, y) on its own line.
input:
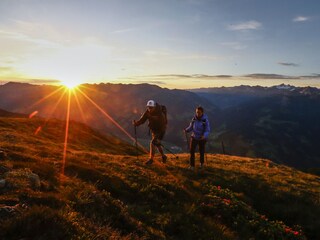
(44, 81)
(17, 36)
(256, 76)
(35, 81)
(269, 76)
(301, 19)
(153, 82)
(288, 64)
(185, 76)
(313, 76)
(5, 69)
(223, 76)
(244, 26)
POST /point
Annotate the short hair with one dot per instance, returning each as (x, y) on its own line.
(200, 108)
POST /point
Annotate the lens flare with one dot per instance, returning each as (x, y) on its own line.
(71, 83)
(111, 119)
(66, 135)
(72, 88)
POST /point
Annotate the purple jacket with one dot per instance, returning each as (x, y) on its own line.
(199, 127)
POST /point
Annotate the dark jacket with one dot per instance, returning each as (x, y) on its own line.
(157, 119)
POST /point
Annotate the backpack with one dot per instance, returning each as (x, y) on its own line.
(164, 111)
(162, 116)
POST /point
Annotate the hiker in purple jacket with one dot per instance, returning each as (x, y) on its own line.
(200, 129)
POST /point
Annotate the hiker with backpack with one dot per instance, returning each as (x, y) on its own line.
(156, 114)
(200, 129)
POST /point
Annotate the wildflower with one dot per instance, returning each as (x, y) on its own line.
(287, 229)
(263, 217)
(296, 233)
(226, 201)
(219, 188)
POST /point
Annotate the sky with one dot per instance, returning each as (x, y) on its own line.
(172, 43)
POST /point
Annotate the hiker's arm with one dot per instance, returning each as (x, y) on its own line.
(142, 119)
(189, 128)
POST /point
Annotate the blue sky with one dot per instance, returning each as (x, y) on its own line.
(175, 44)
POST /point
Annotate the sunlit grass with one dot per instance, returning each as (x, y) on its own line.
(117, 195)
(106, 191)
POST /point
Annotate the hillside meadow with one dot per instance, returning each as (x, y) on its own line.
(107, 192)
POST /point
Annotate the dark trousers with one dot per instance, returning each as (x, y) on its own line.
(193, 144)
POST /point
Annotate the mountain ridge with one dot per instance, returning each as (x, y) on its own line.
(252, 133)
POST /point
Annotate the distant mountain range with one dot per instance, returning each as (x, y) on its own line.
(225, 97)
(279, 123)
(122, 102)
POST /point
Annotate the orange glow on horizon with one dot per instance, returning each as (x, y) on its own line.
(70, 84)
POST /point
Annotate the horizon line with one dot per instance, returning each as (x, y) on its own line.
(2, 83)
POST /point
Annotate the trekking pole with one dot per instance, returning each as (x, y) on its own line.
(206, 159)
(223, 147)
(206, 155)
(136, 141)
(170, 151)
(188, 144)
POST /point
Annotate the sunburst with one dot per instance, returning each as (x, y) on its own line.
(73, 90)
(71, 83)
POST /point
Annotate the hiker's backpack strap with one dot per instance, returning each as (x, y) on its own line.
(164, 111)
(192, 121)
(204, 122)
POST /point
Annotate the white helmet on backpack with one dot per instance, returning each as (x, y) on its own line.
(151, 103)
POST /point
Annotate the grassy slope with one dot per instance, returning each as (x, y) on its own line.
(21, 133)
(105, 193)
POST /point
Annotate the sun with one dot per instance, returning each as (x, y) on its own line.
(71, 84)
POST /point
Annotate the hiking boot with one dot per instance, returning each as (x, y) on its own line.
(150, 161)
(164, 158)
(191, 168)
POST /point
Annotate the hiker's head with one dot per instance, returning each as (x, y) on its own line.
(199, 112)
(151, 105)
